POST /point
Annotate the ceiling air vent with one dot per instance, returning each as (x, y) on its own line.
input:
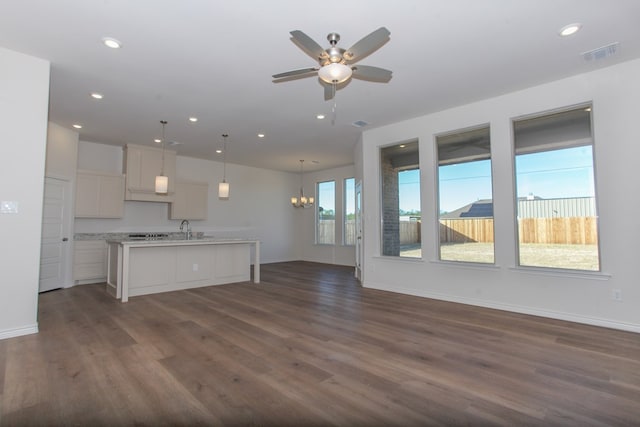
(601, 52)
(360, 123)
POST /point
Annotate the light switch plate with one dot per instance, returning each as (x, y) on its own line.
(8, 207)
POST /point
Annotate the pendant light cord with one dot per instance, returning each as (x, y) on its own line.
(164, 122)
(301, 180)
(224, 158)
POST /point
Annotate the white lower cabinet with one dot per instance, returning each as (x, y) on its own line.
(90, 261)
(161, 268)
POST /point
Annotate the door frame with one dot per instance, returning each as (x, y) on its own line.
(68, 226)
(358, 273)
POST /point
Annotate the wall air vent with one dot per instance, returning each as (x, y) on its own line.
(601, 52)
(360, 123)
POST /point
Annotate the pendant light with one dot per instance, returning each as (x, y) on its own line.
(162, 181)
(223, 187)
(301, 201)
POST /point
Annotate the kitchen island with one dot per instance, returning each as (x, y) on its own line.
(140, 267)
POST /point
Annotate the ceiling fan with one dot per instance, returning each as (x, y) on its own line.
(337, 65)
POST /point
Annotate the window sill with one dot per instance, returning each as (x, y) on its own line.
(558, 272)
(466, 264)
(398, 258)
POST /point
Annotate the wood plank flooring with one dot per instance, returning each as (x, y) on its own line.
(309, 347)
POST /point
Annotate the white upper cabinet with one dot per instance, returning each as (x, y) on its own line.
(141, 166)
(99, 195)
(191, 201)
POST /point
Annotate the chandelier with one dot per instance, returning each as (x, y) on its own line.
(301, 201)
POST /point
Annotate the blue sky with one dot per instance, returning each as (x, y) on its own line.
(551, 174)
(327, 195)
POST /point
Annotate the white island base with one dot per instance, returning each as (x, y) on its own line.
(152, 266)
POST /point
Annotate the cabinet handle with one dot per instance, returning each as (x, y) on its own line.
(65, 239)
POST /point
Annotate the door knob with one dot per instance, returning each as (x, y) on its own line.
(64, 239)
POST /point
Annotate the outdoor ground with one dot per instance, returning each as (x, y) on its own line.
(579, 257)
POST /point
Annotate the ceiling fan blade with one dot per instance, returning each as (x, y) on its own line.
(307, 44)
(367, 45)
(372, 74)
(295, 73)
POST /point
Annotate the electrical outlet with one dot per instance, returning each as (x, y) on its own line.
(195, 267)
(616, 295)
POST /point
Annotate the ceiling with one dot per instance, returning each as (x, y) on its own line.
(214, 60)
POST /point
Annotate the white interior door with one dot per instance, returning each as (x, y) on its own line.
(55, 234)
(358, 272)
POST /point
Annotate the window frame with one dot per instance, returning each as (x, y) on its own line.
(530, 149)
(345, 205)
(383, 230)
(470, 158)
(317, 213)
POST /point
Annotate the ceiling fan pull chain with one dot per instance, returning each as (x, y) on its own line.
(335, 105)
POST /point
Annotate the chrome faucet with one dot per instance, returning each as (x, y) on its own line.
(187, 232)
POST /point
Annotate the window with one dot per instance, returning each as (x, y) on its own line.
(556, 204)
(465, 197)
(349, 229)
(401, 219)
(326, 213)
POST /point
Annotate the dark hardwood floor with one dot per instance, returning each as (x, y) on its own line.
(309, 347)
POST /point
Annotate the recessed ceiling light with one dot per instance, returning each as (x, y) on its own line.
(193, 119)
(219, 151)
(96, 95)
(402, 145)
(111, 42)
(77, 126)
(261, 135)
(157, 140)
(320, 116)
(570, 29)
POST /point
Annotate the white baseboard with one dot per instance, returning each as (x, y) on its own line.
(570, 317)
(26, 330)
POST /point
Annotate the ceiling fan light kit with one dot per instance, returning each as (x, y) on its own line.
(336, 65)
(335, 73)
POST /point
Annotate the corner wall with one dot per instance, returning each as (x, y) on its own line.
(24, 85)
(575, 296)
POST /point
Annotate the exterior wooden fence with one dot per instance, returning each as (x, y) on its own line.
(559, 230)
(565, 230)
(409, 232)
(466, 230)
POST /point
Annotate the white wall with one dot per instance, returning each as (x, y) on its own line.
(581, 297)
(62, 151)
(258, 206)
(24, 89)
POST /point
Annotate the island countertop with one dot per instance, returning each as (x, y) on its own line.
(122, 270)
(204, 240)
